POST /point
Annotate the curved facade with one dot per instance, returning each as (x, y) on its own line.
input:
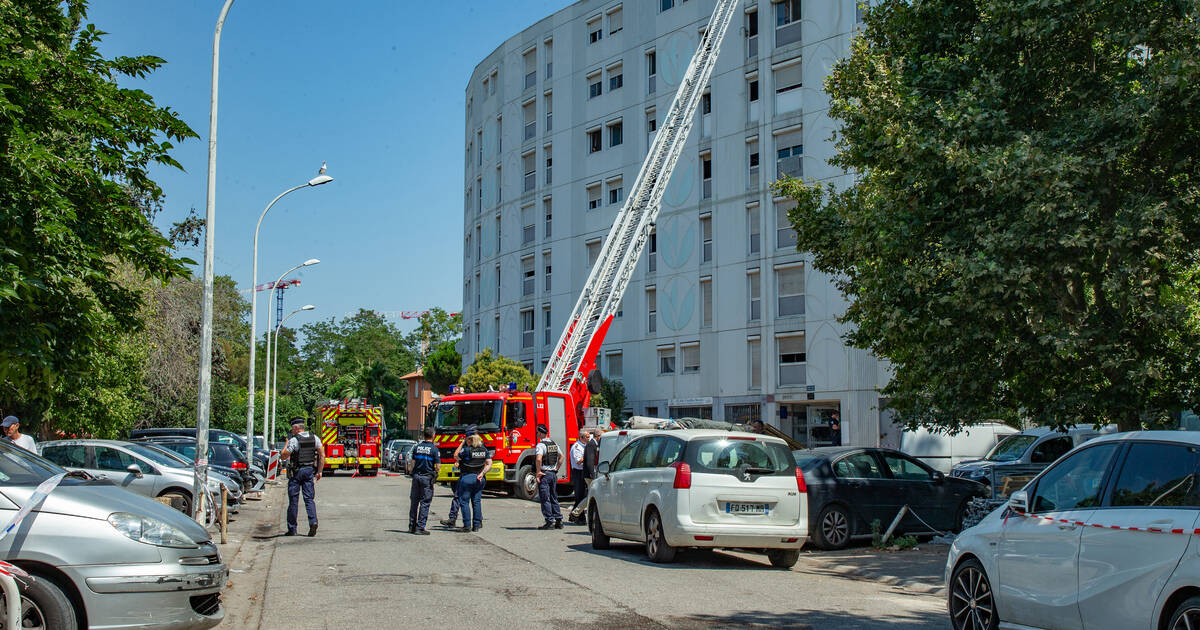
(723, 318)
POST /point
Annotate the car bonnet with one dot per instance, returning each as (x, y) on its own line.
(99, 499)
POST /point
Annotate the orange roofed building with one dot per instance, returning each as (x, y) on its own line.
(419, 397)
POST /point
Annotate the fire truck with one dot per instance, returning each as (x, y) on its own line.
(506, 420)
(352, 434)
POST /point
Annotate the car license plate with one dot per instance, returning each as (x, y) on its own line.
(747, 508)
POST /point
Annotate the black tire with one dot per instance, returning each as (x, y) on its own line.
(526, 484)
(657, 548)
(783, 558)
(972, 603)
(185, 498)
(44, 604)
(834, 528)
(1186, 615)
(600, 540)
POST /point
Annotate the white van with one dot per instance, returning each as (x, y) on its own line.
(943, 452)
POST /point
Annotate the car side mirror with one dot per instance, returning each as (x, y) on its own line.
(135, 469)
(937, 476)
(1019, 502)
(603, 468)
(518, 416)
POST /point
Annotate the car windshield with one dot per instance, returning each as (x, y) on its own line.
(155, 456)
(456, 415)
(19, 467)
(723, 455)
(1010, 448)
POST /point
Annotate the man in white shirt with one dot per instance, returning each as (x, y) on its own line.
(577, 479)
(12, 429)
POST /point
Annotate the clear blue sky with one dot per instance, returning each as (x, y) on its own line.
(375, 87)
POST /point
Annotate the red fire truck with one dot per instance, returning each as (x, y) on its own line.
(507, 420)
(352, 434)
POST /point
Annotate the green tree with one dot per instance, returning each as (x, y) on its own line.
(612, 396)
(1021, 234)
(75, 149)
(443, 367)
(433, 329)
(496, 372)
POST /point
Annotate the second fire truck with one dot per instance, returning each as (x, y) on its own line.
(352, 435)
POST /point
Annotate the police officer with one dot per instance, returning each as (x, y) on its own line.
(425, 465)
(306, 459)
(548, 462)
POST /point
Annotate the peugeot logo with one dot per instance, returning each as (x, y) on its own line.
(745, 476)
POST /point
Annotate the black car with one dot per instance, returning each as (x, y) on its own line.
(849, 487)
(219, 454)
(214, 435)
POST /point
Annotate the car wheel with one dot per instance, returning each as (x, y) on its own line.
(527, 483)
(1186, 615)
(783, 558)
(657, 548)
(972, 605)
(44, 605)
(185, 500)
(833, 528)
(600, 540)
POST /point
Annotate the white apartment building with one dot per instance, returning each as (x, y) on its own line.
(724, 318)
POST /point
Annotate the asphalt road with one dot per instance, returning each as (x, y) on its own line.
(364, 570)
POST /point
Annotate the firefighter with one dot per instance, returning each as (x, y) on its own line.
(548, 462)
(306, 459)
(425, 465)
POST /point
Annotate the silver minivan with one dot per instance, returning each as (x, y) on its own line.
(102, 557)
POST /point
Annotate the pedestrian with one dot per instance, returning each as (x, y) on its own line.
(548, 463)
(591, 456)
(578, 484)
(12, 429)
(425, 465)
(756, 426)
(452, 517)
(835, 429)
(306, 459)
(474, 466)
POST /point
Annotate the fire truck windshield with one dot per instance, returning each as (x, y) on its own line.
(456, 416)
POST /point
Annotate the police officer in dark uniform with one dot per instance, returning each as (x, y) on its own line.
(425, 464)
(548, 462)
(306, 459)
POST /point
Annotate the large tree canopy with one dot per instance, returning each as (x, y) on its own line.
(75, 196)
(1022, 234)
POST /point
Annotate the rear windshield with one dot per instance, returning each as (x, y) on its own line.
(807, 461)
(725, 455)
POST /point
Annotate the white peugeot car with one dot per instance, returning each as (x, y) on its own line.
(1107, 537)
(700, 488)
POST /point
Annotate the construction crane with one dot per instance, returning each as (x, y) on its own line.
(281, 286)
(575, 355)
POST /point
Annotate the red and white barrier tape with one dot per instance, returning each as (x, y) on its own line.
(1067, 521)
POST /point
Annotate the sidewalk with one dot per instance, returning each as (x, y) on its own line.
(248, 553)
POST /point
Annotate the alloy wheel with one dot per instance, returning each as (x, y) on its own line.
(31, 615)
(971, 603)
(652, 539)
(835, 529)
(531, 485)
(1188, 620)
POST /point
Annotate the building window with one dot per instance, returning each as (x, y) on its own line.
(788, 81)
(751, 34)
(486, 86)
(546, 269)
(546, 325)
(549, 48)
(666, 360)
(743, 414)
(706, 178)
(528, 226)
(665, 5)
(785, 234)
(616, 134)
(615, 21)
(529, 162)
(495, 81)
(595, 30)
(706, 302)
(526, 329)
(651, 127)
(548, 101)
(616, 79)
(546, 209)
(706, 104)
(478, 299)
(549, 164)
(478, 334)
(496, 328)
(595, 143)
(691, 357)
(593, 195)
(651, 310)
(791, 359)
(498, 249)
(752, 174)
(593, 252)
(499, 134)
(616, 192)
(479, 145)
(753, 88)
(528, 273)
(595, 86)
(529, 112)
(652, 253)
(790, 290)
(530, 59)
(499, 185)
(615, 362)
(754, 290)
(498, 279)
(789, 149)
(706, 241)
(651, 71)
(478, 242)
(787, 22)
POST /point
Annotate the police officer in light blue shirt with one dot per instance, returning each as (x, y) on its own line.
(425, 464)
(306, 459)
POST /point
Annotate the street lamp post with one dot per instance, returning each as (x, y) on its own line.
(316, 181)
(267, 381)
(275, 369)
(204, 389)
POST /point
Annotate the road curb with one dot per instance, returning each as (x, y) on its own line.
(908, 584)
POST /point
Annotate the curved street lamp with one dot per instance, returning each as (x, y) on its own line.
(275, 371)
(267, 380)
(316, 181)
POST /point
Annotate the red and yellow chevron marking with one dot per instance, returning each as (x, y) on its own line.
(329, 435)
(454, 437)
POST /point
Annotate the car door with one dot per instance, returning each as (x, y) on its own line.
(639, 480)
(611, 490)
(931, 501)
(862, 485)
(1122, 571)
(111, 464)
(1037, 554)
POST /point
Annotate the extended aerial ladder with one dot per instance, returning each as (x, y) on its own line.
(575, 356)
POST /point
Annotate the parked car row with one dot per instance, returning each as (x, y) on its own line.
(1017, 458)
(261, 455)
(396, 453)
